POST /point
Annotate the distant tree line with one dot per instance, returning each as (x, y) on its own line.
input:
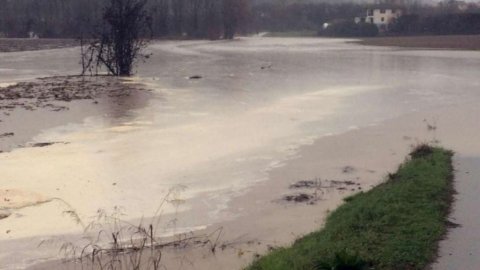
(278, 17)
(348, 28)
(71, 18)
(213, 19)
(439, 24)
(446, 17)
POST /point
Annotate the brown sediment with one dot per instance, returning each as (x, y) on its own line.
(45, 91)
(61, 100)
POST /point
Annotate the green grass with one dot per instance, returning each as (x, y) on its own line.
(396, 225)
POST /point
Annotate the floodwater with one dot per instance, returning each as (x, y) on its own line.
(257, 101)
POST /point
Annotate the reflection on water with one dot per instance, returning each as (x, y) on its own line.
(257, 101)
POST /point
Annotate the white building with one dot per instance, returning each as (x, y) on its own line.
(382, 17)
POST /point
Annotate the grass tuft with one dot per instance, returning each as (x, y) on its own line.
(396, 225)
(422, 150)
(342, 261)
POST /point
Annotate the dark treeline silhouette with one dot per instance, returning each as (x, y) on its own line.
(277, 17)
(74, 18)
(439, 24)
(447, 17)
(48, 18)
(213, 19)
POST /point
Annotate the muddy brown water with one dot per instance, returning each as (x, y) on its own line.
(254, 102)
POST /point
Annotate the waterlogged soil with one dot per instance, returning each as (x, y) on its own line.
(45, 91)
(26, 108)
(311, 191)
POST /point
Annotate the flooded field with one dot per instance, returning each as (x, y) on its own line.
(220, 117)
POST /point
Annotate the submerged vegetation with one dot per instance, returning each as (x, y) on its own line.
(396, 225)
(120, 40)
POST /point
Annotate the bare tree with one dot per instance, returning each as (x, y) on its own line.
(234, 14)
(178, 16)
(213, 20)
(119, 43)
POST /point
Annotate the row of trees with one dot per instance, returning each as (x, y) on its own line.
(278, 17)
(73, 18)
(281, 16)
(210, 19)
(438, 24)
(126, 26)
(48, 18)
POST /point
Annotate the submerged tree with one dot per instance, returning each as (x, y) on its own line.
(118, 44)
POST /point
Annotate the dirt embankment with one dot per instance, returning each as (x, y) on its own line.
(458, 42)
(26, 44)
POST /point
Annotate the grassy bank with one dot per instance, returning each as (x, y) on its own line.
(460, 42)
(396, 225)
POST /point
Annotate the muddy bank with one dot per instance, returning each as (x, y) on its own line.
(27, 108)
(25, 44)
(459, 42)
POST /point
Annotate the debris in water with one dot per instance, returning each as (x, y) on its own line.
(4, 214)
(44, 144)
(298, 198)
(305, 184)
(7, 134)
(348, 169)
(265, 67)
